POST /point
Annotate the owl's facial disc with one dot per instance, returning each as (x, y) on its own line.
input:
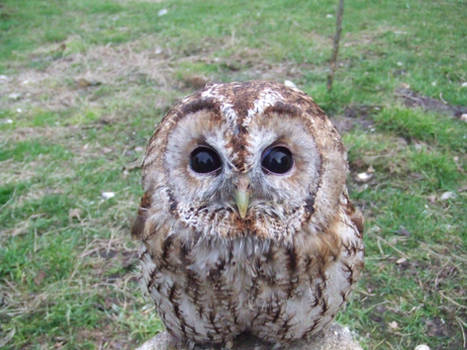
(246, 158)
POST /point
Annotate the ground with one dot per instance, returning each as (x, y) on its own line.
(82, 84)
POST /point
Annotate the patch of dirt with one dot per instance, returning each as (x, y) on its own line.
(249, 63)
(84, 78)
(69, 81)
(20, 172)
(22, 134)
(356, 116)
(413, 99)
(436, 327)
(367, 37)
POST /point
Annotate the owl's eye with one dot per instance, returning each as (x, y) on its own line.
(204, 160)
(277, 160)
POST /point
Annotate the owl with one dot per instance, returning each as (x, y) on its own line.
(245, 220)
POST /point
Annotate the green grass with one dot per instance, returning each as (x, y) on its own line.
(86, 81)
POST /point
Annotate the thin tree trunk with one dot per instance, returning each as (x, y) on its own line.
(335, 50)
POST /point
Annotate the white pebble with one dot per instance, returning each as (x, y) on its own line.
(290, 84)
(14, 96)
(447, 195)
(422, 347)
(364, 177)
(108, 195)
(162, 12)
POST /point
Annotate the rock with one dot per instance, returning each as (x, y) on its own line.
(447, 195)
(108, 195)
(162, 12)
(290, 84)
(364, 177)
(334, 338)
(422, 347)
(14, 96)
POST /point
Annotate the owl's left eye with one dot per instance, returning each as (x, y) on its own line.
(277, 160)
(204, 160)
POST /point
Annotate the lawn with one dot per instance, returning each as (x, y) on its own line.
(83, 82)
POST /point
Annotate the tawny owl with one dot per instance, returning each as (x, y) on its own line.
(245, 217)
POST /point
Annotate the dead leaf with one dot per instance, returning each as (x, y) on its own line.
(195, 81)
(132, 166)
(39, 278)
(84, 82)
(401, 261)
(403, 231)
(74, 213)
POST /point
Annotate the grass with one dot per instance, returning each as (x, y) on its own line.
(84, 82)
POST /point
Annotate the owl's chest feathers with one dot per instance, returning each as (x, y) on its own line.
(214, 287)
(256, 264)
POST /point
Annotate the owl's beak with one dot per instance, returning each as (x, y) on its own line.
(242, 196)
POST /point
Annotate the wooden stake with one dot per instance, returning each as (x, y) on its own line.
(335, 50)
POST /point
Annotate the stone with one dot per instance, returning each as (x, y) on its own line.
(422, 347)
(335, 337)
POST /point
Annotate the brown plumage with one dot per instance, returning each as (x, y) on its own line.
(245, 220)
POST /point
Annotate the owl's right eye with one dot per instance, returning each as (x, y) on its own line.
(204, 160)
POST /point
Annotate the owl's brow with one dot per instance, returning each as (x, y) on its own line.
(283, 108)
(198, 105)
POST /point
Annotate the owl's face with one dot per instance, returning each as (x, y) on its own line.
(246, 159)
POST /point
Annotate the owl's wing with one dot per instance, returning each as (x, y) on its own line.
(355, 215)
(138, 225)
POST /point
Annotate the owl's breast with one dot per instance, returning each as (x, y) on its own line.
(211, 289)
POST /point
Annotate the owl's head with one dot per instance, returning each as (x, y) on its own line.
(245, 159)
